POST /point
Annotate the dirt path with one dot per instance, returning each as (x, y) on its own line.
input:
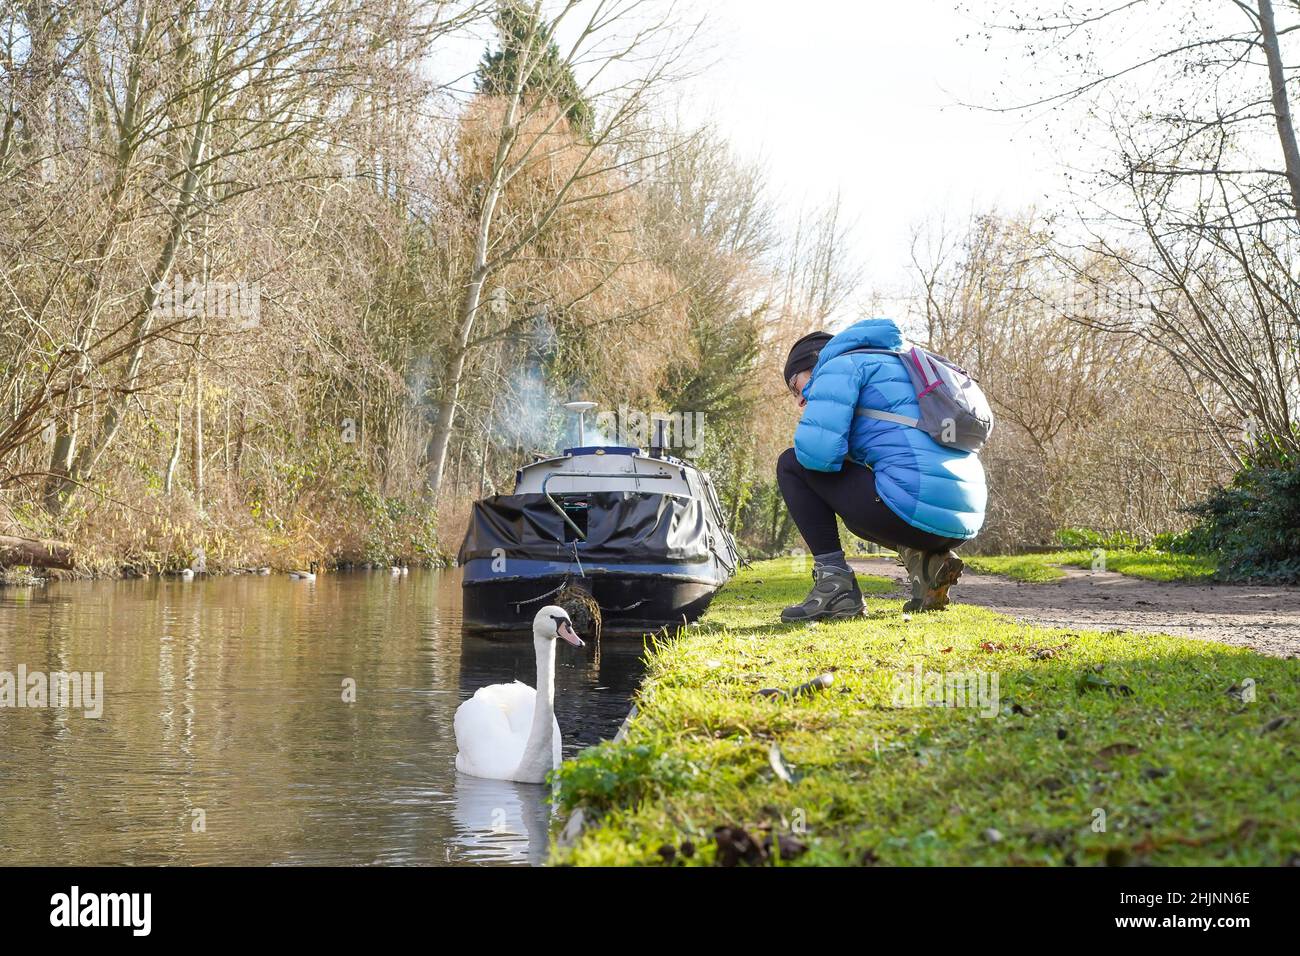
(1264, 618)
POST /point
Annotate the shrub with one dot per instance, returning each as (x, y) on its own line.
(1180, 542)
(1254, 522)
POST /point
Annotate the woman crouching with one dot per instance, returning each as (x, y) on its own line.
(889, 481)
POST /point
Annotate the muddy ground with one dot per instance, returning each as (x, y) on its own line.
(1264, 618)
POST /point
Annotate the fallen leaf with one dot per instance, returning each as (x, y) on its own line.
(1275, 724)
(821, 682)
(1104, 756)
(787, 846)
(1118, 750)
(1042, 653)
(736, 846)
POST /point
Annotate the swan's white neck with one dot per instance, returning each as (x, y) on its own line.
(539, 759)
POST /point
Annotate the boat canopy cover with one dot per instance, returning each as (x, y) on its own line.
(621, 526)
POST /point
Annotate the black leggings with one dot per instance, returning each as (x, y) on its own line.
(816, 497)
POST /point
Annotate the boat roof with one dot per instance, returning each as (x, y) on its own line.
(609, 468)
(604, 450)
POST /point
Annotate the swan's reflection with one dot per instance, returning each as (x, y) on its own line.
(500, 821)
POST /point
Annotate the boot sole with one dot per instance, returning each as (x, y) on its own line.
(829, 616)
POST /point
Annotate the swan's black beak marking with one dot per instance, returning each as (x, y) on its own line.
(564, 627)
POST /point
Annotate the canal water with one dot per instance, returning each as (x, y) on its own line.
(226, 738)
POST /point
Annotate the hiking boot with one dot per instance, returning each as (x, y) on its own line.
(913, 561)
(835, 594)
(941, 570)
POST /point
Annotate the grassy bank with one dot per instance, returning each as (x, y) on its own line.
(1102, 748)
(1151, 564)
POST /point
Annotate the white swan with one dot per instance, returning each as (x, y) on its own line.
(509, 731)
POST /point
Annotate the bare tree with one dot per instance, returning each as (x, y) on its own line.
(174, 113)
(1093, 425)
(1199, 209)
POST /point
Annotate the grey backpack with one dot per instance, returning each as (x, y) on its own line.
(954, 411)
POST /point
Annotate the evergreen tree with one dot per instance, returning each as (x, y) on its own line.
(523, 36)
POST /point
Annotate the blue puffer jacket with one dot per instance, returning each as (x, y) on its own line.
(936, 489)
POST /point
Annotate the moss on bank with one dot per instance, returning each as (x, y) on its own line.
(1102, 748)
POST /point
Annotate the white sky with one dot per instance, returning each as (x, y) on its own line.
(863, 98)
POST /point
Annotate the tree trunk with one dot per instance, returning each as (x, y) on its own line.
(91, 452)
(1281, 103)
(196, 435)
(63, 456)
(446, 418)
(34, 552)
(237, 458)
(176, 447)
(479, 269)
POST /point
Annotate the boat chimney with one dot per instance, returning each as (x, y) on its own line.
(657, 446)
(581, 408)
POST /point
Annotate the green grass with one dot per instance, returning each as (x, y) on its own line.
(1150, 564)
(1184, 771)
(1023, 567)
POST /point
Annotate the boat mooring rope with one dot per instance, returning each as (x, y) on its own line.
(582, 607)
(541, 597)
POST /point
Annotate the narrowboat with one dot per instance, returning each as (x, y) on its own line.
(641, 532)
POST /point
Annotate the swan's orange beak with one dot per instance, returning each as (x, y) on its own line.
(565, 629)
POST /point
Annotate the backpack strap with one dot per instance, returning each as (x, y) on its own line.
(874, 412)
(874, 351)
(887, 417)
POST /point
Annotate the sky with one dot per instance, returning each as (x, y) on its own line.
(865, 99)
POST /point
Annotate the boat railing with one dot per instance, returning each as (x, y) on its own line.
(559, 509)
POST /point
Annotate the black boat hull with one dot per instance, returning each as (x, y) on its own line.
(629, 604)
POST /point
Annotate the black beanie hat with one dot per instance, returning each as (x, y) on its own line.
(803, 354)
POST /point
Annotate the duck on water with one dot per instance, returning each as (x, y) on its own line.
(641, 532)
